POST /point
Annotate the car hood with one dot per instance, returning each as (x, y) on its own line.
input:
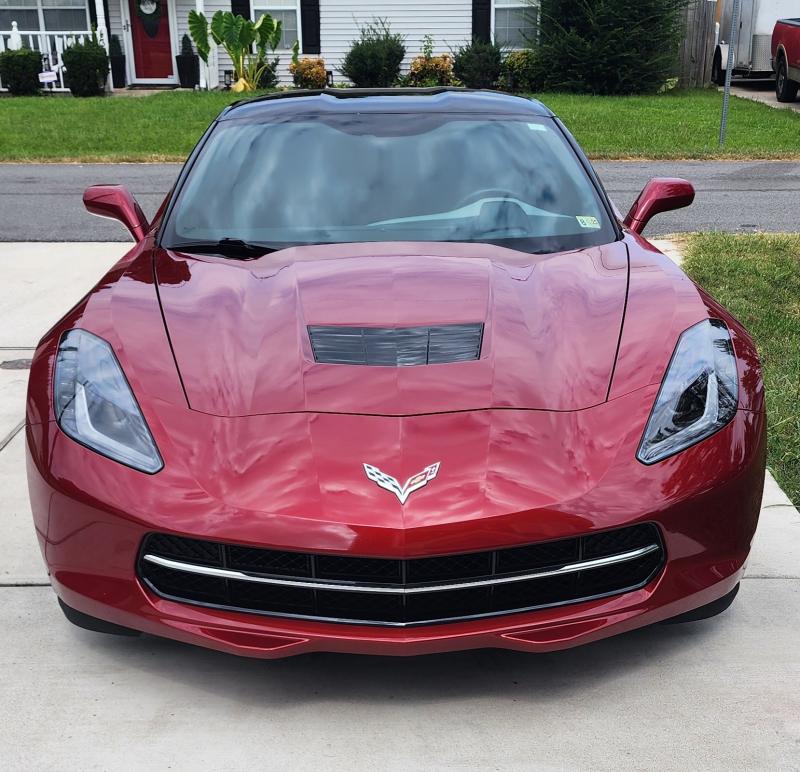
(239, 329)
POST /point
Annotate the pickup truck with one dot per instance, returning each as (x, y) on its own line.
(786, 58)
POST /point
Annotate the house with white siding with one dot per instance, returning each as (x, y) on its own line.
(150, 31)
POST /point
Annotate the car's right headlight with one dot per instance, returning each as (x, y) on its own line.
(698, 395)
(95, 406)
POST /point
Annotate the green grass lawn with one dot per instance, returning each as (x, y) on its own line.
(166, 126)
(680, 124)
(757, 277)
(161, 127)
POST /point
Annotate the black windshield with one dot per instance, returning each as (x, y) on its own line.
(503, 180)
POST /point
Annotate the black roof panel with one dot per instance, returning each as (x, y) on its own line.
(391, 100)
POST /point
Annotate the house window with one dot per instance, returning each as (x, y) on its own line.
(45, 15)
(515, 22)
(285, 11)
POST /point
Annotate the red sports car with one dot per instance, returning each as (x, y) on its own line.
(388, 373)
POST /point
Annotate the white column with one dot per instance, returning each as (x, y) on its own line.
(199, 6)
(102, 35)
(213, 68)
(102, 32)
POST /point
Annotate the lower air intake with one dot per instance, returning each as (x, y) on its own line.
(400, 593)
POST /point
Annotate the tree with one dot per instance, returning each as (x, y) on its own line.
(609, 46)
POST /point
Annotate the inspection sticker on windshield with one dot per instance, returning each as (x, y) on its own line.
(587, 222)
(537, 127)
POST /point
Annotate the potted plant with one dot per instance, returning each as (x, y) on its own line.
(188, 64)
(117, 62)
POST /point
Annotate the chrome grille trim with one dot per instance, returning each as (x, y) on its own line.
(344, 586)
(337, 620)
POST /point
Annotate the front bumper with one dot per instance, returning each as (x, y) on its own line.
(705, 502)
(269, 638)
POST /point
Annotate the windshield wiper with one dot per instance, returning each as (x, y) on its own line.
(236, 248)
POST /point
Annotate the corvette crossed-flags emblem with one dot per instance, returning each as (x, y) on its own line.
(413, 483)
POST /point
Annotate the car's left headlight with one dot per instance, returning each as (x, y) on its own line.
(95, 406)
(698, 395)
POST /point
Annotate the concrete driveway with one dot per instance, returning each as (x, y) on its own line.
(718, 694)
(761, 91)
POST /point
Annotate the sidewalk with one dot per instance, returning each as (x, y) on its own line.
(74, 700)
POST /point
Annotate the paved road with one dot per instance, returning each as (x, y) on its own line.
(42, 202)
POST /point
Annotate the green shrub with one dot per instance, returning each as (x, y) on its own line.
(374, 60)
(19, 71)
(429, 70)
(521, 71)
(268, 77)
(309, 73)
(609, 46)
(87, 68)
(478, 65)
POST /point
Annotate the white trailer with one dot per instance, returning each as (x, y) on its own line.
(752, 57)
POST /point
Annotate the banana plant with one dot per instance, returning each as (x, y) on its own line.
(245, 41)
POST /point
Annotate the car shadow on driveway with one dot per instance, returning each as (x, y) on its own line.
(322, 677)
(718, 694)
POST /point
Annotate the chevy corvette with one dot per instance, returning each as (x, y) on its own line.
(389, 373)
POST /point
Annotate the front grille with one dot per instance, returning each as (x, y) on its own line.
(413, 591)
(396, 346)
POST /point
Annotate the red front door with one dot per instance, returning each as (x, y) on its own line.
(152, 46)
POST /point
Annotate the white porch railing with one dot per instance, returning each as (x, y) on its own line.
(51, 45)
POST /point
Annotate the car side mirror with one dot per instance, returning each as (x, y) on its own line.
(115, 202)
(661, 194)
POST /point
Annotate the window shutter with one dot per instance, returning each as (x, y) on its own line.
(241, 8)
(309, 21)
(482, 20)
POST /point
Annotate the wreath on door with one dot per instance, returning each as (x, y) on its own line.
(149, 13)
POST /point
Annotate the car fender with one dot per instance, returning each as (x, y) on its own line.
(780, 51)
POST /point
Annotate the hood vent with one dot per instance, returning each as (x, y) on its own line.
(396, 346)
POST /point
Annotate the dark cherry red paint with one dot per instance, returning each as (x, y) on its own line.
(264, 446)
(115, 202)
(661, 194)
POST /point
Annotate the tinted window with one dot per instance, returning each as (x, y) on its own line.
(390, 177)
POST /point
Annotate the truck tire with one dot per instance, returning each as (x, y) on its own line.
(717, 73)
(785, 89)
